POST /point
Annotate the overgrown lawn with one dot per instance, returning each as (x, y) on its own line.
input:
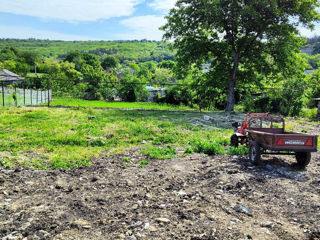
(68, 138)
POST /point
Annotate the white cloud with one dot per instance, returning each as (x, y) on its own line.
(70, 10)
(144, 27)
(163, 4)
(25, 32)
(308, 33)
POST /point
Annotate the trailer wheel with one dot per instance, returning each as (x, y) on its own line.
(254, 152)
(234, 141)
(303, 158)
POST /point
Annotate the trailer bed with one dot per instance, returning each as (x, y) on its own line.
(276, 139)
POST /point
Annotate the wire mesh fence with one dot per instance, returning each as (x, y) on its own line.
(17, 95)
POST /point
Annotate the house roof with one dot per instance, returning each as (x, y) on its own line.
(6, 75)
(310, 71)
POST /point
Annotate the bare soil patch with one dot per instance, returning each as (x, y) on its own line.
(196, 197)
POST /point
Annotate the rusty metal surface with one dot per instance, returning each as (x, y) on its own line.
(268, 139)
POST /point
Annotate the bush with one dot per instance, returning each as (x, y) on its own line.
(284, 105)
(159, 153)
(241, 150)
(309, 113)
(206, 147)
(129, 91)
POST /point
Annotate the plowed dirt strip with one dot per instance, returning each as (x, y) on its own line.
(196, 197)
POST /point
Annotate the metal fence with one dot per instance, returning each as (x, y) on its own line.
(13, 95)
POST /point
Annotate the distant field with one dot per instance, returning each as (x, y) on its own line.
(124, 105)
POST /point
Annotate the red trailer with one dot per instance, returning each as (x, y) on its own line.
(265, 134)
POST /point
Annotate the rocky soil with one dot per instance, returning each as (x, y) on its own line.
(194, 197)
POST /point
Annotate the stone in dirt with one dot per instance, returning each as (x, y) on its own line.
(146, 225)
(131, 238)
(269, 167)
(163, 220)
(181, 193)
(267, 224)
(148, 196)
(80, 223)
(13, 236)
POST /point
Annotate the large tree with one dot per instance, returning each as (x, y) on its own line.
(239, 37)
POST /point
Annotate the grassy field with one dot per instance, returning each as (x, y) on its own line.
(68, 138)
(71, 102)
(49, 138)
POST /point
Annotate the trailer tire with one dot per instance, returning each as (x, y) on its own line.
(303, 158)
(234, 141)
(254, 152)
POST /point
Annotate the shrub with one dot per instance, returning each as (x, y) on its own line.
(241, 150)
(206, 147)
(159, 153)
(309, 113)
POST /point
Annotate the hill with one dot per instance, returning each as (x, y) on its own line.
(140, 51)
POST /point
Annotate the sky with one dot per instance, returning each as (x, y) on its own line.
(88, 19)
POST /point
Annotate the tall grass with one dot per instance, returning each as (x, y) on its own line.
(68, 138)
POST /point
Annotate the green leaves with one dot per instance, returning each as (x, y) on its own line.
(256, 37)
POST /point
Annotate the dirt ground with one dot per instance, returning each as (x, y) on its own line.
(195, 197)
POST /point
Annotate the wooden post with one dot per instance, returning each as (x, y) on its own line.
(48, 83)
(2, 93)
(16, 97)
(318, 105)
(318, 117)
(24, 94)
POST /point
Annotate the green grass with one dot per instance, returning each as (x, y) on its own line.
(70, 102)
(241, 150)
(68, 138)
(49, 138)
(159, 153)
(209, 147)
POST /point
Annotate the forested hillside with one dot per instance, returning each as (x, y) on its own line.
(139, 51)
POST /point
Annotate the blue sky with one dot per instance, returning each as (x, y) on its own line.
(87, 19)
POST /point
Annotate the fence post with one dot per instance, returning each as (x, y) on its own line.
(15, 93)
(2, 93)
(37, 96)
(41, 96)
(24, 95)
(31, 95)
(48, 84)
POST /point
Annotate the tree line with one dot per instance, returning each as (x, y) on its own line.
(231, 55)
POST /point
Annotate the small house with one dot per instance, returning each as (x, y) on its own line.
(9, 77)
(154, 92)
(310, 71)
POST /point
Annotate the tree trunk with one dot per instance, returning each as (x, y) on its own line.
(232, 83)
